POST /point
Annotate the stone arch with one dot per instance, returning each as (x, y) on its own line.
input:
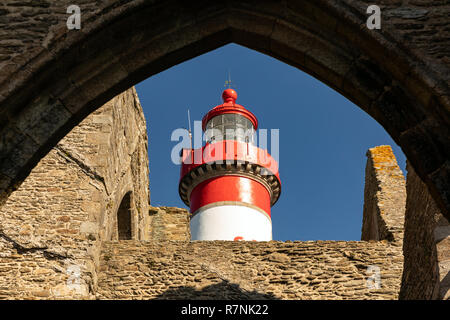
(124, 218)
(75, 72)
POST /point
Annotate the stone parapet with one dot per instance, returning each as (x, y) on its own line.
(249, 270)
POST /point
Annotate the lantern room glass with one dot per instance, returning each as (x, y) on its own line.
(230, 126)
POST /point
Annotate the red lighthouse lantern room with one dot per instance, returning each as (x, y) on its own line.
(229, 184)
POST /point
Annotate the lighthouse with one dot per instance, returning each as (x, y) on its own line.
(229, 184)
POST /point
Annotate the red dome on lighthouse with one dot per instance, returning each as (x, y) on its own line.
(229, 95)
(229, 105)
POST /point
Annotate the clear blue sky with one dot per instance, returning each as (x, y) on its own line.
(323, 137)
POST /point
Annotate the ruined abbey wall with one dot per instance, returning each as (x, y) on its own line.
(426, 248)
(384, 197)
(249, 270)
(169, 223)
(51, 228)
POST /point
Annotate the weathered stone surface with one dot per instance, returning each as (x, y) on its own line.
(51, 228)
(248, 270)
(169, 223)
(426, 245)
(384, 197)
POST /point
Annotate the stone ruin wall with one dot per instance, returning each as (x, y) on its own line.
(248, 270)
(169, 223)
(426, 245)
(405, 213)
(51, 228)
(384, 197)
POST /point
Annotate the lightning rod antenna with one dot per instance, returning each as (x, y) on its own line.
(228, 82)
(189, 125)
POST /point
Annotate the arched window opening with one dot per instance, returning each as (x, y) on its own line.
(124, 218)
